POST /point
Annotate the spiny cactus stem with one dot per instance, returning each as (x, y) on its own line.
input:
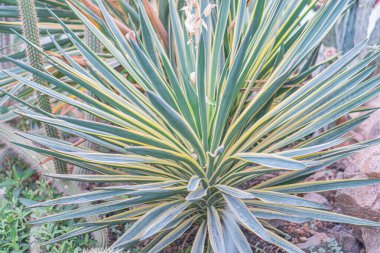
(28, 15)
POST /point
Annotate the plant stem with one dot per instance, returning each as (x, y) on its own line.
(28, 15)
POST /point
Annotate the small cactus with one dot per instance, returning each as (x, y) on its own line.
(28, 16)
(92, 41)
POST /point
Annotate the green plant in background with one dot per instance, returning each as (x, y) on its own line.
(19, 189)
(212, 128)
(15, 232)
(13, 222)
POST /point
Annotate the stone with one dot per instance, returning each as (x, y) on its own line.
(314, 241)
(363, 202)
(371, 239)
(360, 202)
(370, 128)
(370, 162)
(315, 197)
(346, 238)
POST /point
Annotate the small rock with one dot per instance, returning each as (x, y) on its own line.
(370, 163)
(363, 202)
(339, 175)
(169, 249)
(315, 197)
(303, 239)
(370, 128)
(314, 241)
(346, 238)
(321, 175)
(360, 202)
(371, 239)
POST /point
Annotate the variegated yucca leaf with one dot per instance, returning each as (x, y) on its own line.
(204, 97)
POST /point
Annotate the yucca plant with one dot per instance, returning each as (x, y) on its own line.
(221, 96)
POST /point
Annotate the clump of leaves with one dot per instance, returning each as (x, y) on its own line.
(12, 227)
(218, 94)
(18, 188)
